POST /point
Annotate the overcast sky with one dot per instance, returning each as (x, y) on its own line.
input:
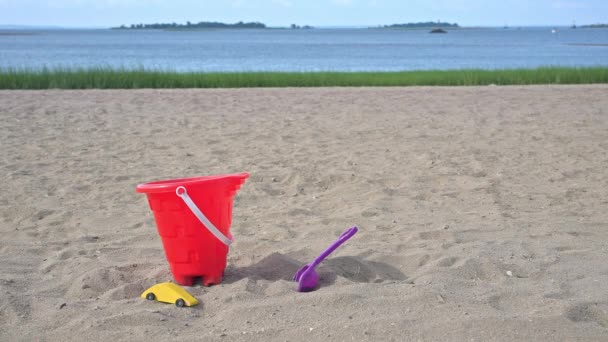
(105, 13)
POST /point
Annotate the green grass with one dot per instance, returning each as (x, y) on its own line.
(104, 78)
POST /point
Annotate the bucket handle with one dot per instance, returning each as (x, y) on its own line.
(183, 194)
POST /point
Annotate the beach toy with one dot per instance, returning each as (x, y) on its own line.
(170, 293)
(193, 217)
(306, 276)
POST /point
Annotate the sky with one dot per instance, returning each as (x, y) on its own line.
(108, 13)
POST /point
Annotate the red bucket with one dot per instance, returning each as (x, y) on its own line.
(193, 217)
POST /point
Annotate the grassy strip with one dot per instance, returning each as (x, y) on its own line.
(132, 79)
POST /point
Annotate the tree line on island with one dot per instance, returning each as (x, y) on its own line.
(202, 25)
(595, 26)
(424, 25)
(258, 25)
(190, 25)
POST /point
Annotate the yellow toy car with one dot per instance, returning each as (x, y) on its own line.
(170, 293)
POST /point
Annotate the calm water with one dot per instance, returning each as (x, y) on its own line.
(305, 50)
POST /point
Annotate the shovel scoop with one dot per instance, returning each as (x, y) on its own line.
(306, 276)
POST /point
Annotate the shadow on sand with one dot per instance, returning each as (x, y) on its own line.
(278, 266)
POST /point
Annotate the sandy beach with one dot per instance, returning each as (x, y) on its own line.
(483, 212)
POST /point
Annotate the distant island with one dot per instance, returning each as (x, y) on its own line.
(207, 25)
(424, 25)
(298, 27)
(596, 26)
(189, 25)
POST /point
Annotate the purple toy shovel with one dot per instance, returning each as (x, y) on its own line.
(306, 276)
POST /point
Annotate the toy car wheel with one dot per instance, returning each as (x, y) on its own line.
(180, 303)
(150, 296)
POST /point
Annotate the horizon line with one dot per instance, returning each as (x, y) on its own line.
(354, 26)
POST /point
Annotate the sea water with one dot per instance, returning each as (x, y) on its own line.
(304, 50)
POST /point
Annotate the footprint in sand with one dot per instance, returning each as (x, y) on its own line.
(44, 213)
(589, 312)
(424, 260)
(447, 262)
(363, 271)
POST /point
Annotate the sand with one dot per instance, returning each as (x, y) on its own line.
(483, 212)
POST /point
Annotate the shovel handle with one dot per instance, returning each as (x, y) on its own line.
(342, 239)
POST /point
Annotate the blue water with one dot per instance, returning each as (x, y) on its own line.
(304, 50)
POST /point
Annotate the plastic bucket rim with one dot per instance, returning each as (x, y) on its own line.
(169, 185)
